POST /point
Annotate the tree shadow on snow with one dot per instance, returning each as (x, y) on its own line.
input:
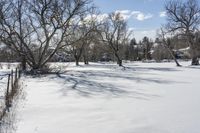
(91, 83)
(87, 88)
(193, 67)
(161, 69)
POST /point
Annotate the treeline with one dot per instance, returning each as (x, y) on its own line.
(35, 32)
(147, 49)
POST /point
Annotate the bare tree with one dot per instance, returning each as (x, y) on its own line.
(114, 32)
(11, 21)
(86, 50)
(184, 18)
(147, 45)
(36, 29)
(133, 49)
(166, 42)
(81, 35)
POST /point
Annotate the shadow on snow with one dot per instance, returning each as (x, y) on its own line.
(94, 83)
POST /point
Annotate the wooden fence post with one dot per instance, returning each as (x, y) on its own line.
(7, 102)
(16, 74)
(12, 80)
(19, 75)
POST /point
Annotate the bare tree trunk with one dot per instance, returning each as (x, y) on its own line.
(76, 59)
(194, 55)
(146, 54)
(77, 62)
(119, 61)
(77, 55)
(195, 61)
(166, 44)
(137, 54)
(193, 49)
(23, 63)
(173, 56)
(85, 57)
(85, 60)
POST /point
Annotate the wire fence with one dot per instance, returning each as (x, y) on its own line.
(11, 90)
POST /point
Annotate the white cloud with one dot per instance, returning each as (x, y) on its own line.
(138, 15)
(141, 16)
(123, 11)
(163, 14)
(131, 29)
(99, 17)
(126, 14)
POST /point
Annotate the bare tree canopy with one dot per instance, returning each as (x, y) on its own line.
(36, 29)
(166, 42)
(184, 18)
(115, 33)
(81, 34)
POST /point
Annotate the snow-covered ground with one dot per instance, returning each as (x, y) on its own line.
(103, 98)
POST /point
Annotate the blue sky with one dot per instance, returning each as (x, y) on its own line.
(143, 16)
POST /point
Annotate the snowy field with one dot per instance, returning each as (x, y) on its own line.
(103, 98)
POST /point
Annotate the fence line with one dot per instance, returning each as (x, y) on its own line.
(11, 90)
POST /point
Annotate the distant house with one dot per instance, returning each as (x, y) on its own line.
(183, 53)
(62, 57)
(105, 57)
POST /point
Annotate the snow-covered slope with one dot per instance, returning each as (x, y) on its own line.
(102, 98)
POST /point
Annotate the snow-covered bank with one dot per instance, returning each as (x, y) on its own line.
(102, 98)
